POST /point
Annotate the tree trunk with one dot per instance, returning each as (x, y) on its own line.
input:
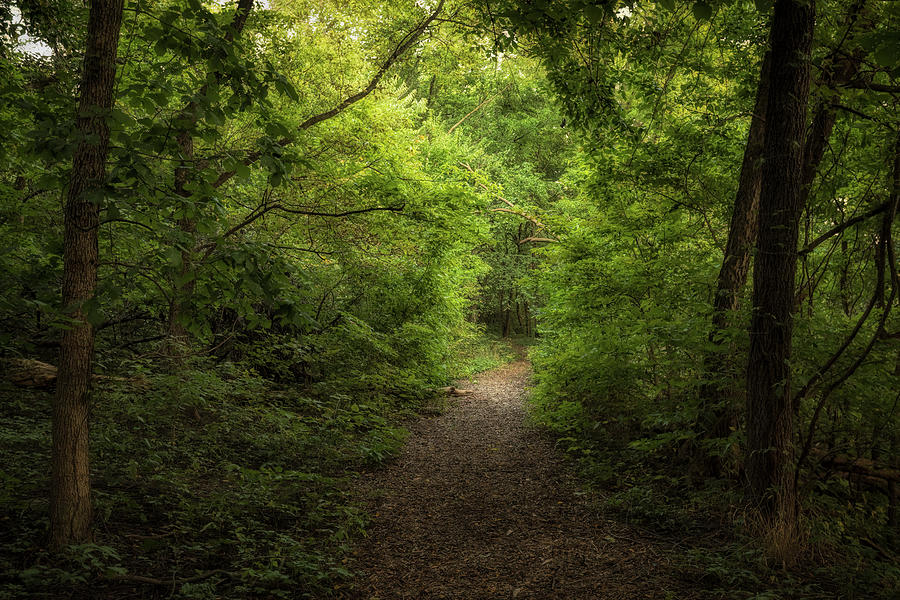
(770, 426)
(743, 228)
(527, 319)
(507, 322)
(183, 290)
(718, 403)
(70, 486)
(186, 121)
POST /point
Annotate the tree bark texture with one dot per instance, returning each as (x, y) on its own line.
(770, 426)
(718, 403)
(70, 488)
(743, 227)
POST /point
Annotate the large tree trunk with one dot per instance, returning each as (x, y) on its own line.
(718, 402)
(70, 487)
(742, 231)
(770, 426)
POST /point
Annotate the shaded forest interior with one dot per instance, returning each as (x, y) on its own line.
(246, 244)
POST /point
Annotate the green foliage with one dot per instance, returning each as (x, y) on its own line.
(477, 353)
(214, 464)
(625, 320)
(325, 275)
(567, 172)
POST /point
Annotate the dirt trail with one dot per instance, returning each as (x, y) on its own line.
(480, 505)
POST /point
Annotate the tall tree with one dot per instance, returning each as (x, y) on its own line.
(770, 425)
(718, 401)
(70, 492)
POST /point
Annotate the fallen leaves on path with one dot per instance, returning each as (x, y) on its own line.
(480, 505)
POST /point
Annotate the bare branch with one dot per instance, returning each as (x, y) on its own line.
(536, 239)
(521, 214)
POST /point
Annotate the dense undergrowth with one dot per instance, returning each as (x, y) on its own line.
(213, 471)
(641, 468)
(632, 375)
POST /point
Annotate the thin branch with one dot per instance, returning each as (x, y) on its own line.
(519, 213)
(862, 115)
(817, 376)
(840, 228)
(130, 222)
(256, 214)
(536, 239)
(346, 213)
(173, 581)
(888, 244)
(872, 87)
(402, 46)
(477, 108)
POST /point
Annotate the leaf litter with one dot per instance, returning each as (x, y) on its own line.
(481, 505)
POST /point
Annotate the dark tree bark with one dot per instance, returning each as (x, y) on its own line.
(718, 402)
(770, 425)
(70, 487)
(742, 231)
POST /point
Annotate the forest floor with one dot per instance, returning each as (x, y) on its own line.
(481, 505)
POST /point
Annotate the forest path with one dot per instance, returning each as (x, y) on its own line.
(480, 505)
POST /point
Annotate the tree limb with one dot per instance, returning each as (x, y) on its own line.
(402, 46)
(173, 581)
(519, 213)
(858, 84)
(477, 108)
(840, 228)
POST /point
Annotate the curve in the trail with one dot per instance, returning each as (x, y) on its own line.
(480, 505)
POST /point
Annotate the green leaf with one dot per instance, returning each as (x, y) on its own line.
(92, 312)
(594, 13)
(276, 179)
(887, 55)
(284, 87)
(181, 280)
(173, 257)
(113, 292)
(702, 11)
